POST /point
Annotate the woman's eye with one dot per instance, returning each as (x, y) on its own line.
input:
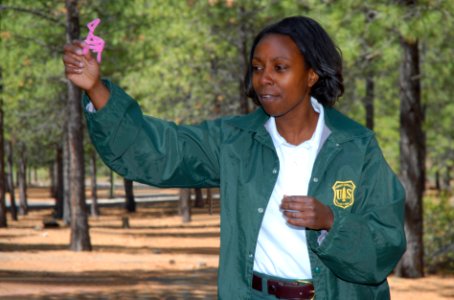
(281, 68)
(256, 68)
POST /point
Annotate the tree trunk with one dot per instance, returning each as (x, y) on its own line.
(23, 205)
(17, 178)
(3, 220)
(80, 237)
(35, 176)
(185, 205)
(58, 181)
(52, 175)
(244, 58)
(437, 181)
(447, 178)
(10, 181)
(369, 101)
(112, 185)
(94, 187)
(199, 202)
(130, 203)
(210, 201)
(66, 180)
(412, 159)
(28, 177)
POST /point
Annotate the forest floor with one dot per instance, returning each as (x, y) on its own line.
(157, 257)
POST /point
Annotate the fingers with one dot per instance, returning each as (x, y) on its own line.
(293, 214)
(300, 218)
(75, 47)
(76, 54)
(77, 61)
(296, 210)
(305, 211)
(73, 57)
(72, 71)
(296, 202)
(299, 223)
(73, 64)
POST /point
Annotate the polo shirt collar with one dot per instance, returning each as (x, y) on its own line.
(314, 141)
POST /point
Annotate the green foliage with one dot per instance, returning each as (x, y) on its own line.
(439, 233)
(184, 61)
(438, 70)
(32, 78)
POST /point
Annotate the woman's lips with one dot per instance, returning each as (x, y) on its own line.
(268, 97)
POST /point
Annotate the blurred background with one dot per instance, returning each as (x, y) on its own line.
(185, 61)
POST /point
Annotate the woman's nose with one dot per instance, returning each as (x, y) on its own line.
(266, 78)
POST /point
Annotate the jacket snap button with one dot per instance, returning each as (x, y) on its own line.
(260, 210)
(274, 171)
(317, 270)
(315, 179)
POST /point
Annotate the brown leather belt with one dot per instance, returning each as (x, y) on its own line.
(285, 290)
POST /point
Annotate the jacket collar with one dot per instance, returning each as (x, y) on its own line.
(254, 121)
(343, 129)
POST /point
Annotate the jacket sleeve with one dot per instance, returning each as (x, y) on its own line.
(153, 151)
(364, 245)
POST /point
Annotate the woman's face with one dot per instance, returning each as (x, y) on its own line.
(280, 78)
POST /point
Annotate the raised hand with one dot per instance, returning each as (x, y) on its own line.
(82, 69)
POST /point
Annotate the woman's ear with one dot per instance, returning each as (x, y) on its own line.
(312, 78)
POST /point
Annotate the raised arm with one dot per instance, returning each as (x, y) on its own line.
(84, 71)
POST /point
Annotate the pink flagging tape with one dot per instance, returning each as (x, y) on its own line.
(93, 42)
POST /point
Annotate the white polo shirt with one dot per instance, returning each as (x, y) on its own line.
(281, 248)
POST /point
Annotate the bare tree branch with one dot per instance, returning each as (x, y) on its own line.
(35, 12)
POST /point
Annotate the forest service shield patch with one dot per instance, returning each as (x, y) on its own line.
(344, 192)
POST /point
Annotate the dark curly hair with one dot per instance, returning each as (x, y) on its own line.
(319, 52)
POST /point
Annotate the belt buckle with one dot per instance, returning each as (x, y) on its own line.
(306, 282)
(303, 281)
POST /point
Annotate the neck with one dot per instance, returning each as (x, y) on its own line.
(299, 126)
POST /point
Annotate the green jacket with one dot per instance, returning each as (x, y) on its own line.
(237, 154)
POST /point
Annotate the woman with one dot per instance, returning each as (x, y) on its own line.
(309, 205)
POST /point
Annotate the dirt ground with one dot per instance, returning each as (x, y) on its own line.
(158, 257)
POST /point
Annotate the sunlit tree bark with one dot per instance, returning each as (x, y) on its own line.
(412, 156)
(22, 181)
(185, 205)
(3, 220)
(94, 186)
(80, 238)
(10, 181)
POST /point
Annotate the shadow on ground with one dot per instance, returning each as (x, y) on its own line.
(192, 284)
(5, 247)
